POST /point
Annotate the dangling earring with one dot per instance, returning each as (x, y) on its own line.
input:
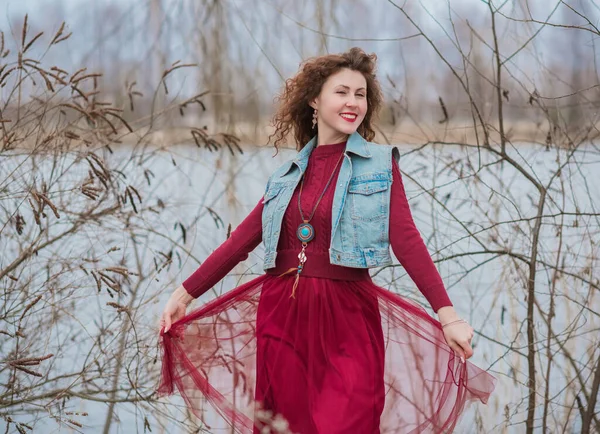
(314, 119)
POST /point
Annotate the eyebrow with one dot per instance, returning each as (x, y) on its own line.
(344, 86)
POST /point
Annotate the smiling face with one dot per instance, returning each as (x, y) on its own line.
(341, 105)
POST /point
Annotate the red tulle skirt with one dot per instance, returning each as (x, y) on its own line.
(341, 357)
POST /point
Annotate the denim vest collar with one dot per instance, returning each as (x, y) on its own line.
(356, 144)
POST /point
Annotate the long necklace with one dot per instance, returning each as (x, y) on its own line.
(306, 231)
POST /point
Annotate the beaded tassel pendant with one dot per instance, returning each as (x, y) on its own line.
(305, 233)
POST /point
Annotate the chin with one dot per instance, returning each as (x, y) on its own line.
(347, 129)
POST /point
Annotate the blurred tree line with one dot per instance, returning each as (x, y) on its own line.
(242, 50)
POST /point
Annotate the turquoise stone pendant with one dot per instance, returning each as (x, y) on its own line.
(305, 232)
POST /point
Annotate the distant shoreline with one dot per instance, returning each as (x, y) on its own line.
(410, 134)
(252, 135)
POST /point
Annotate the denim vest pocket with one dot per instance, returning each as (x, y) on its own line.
(367, 197)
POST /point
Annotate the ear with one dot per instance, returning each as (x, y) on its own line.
(314, 102)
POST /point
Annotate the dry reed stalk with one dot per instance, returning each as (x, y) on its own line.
(31, 361)
(175, 66)
(58, 37)
(30, 43)
(120, 308)
(24, 31)
(28, 371)
(73, 422)
(29, 306)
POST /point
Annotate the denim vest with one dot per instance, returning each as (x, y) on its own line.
(361, 204)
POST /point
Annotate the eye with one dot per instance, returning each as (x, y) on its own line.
(361, 95)
(341, 91)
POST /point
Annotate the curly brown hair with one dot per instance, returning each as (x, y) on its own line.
(294, 112)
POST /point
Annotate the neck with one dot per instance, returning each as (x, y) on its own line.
(331, 137)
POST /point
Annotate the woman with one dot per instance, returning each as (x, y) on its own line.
(313, 345)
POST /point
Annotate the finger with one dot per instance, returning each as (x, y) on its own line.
(466, 348)
(167, 322)
(469, 352)
(458, 350)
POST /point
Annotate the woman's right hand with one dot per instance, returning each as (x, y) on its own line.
(175, 308)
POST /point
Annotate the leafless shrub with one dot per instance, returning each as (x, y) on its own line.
(74, 267)
(537, 231)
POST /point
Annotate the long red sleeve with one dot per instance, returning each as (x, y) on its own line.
(243, 240)
(409, 247)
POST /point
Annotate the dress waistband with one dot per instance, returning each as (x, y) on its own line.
(316, 265)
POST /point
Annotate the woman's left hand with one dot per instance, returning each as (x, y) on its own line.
(458, 337)
(457, 332)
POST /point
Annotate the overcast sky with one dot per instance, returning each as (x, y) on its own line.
(273, 44)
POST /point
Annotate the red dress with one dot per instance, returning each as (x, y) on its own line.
(344, 356)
